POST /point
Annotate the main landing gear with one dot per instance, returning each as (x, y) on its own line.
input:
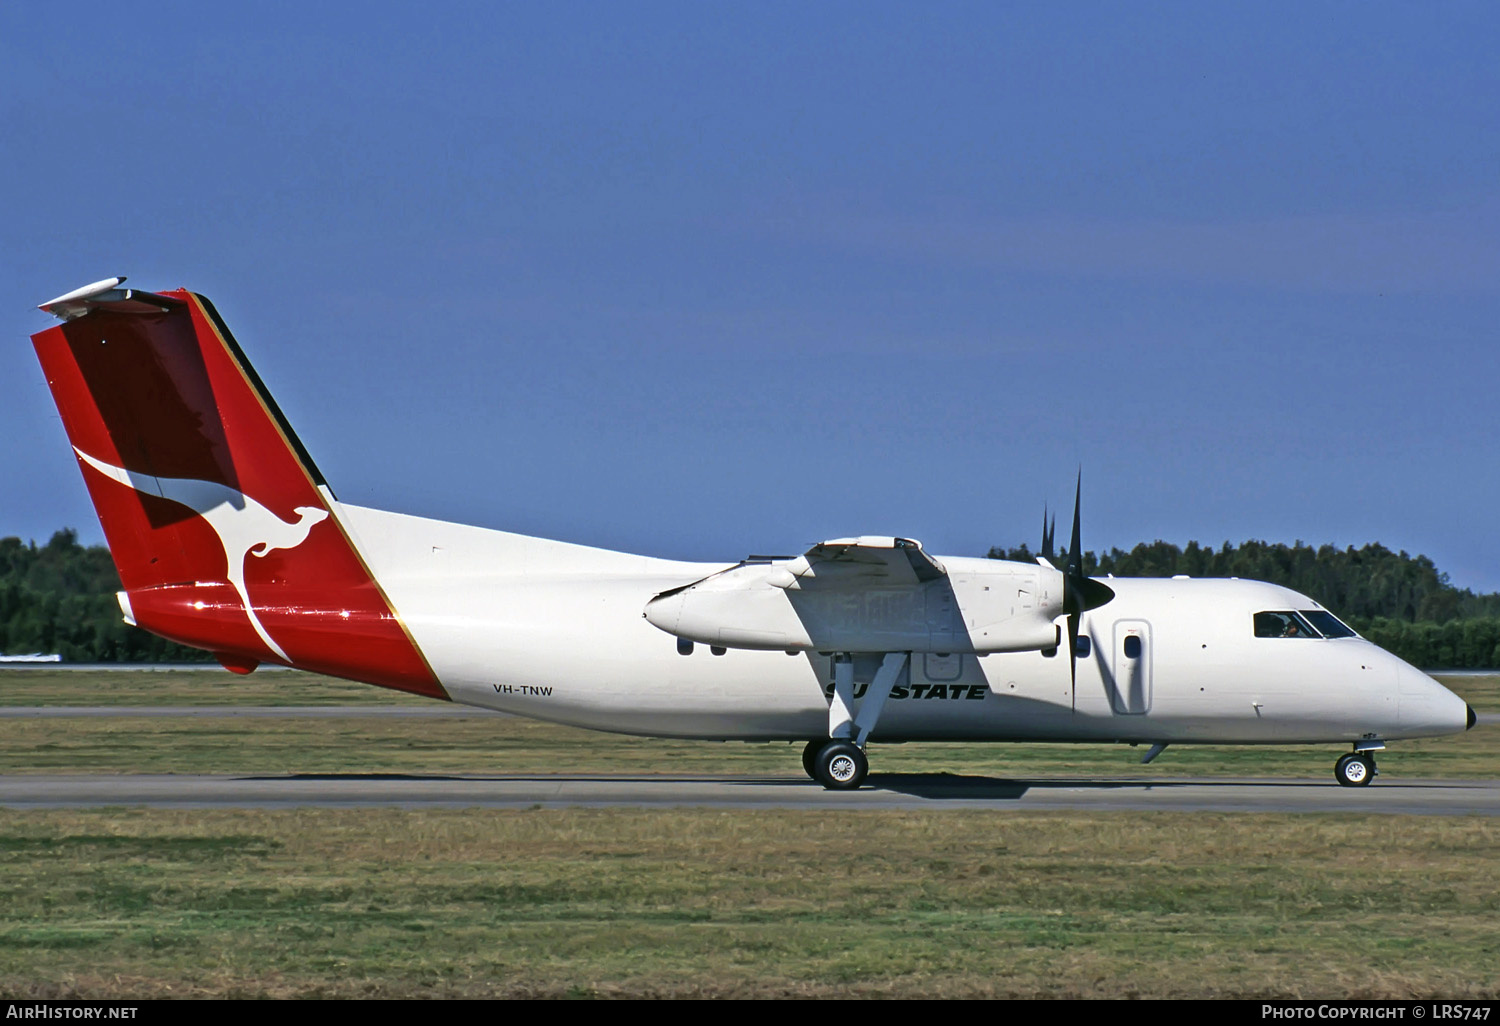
(1356, 769)
(836, 763)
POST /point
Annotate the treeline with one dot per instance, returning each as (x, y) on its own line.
(60, 598)
(1402, 603)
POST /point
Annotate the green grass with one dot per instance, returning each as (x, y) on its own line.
(1482, 692)
(512, 745)
(708, 903)
(189, 687)
(697, 903)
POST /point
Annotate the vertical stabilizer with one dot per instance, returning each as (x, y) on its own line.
(225, 535)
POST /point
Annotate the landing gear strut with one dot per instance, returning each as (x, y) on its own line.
(1355, 769)
(836, 763)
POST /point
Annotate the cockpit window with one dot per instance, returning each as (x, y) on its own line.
(1327, 624)
(1283, 625)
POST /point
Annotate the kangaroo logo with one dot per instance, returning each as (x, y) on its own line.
(244, 526)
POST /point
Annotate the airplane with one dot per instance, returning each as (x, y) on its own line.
(228, 538)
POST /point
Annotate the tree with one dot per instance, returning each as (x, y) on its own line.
(1401, 602)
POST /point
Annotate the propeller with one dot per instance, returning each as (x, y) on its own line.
(1080, 594)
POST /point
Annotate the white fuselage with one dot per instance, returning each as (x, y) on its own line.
(556, 632)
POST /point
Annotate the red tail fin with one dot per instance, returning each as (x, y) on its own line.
(225, 534)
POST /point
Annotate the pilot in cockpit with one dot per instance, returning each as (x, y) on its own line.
(1279, 625)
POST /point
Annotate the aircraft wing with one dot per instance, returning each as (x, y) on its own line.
(891, 560)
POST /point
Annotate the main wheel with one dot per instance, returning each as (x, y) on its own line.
(1356, 769)
(840, 766)
(810, 757)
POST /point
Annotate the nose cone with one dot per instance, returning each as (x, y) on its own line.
(1427, 708)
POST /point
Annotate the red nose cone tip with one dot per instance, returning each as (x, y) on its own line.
(1472, 718)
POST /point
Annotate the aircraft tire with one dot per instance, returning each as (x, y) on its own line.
(841, 766)
(810, 757)
(1355, 769)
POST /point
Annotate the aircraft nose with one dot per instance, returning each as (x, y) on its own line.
(1427, 708)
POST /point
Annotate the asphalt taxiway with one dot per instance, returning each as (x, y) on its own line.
(882, 791)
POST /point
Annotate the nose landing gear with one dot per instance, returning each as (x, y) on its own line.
(1356, 769)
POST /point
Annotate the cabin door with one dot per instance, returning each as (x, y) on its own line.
(1131, 668)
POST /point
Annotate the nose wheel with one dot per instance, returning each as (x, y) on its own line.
(1356, 769)
(837, 764)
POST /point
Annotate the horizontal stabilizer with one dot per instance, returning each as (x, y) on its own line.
(107, 294)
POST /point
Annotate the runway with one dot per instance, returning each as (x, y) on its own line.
(884, 791)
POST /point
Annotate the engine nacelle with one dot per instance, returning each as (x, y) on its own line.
(976, 606)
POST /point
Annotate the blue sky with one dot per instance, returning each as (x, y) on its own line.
(701, 280)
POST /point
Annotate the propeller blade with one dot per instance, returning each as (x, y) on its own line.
(1049, 531)
(1073, 648)
(1075, 544)
(1080, 594)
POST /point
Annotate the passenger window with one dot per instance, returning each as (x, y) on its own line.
(1084, 648)
(1133, 646)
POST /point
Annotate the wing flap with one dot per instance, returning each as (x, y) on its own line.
(897, 560)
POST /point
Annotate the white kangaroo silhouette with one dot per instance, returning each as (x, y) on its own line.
(244, 526)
